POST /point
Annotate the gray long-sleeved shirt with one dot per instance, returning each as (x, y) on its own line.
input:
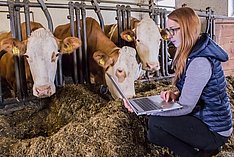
(197, 75)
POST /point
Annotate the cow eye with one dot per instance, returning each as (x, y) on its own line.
(53, 57)
(138, 40)
(26, 56)
(58, 54)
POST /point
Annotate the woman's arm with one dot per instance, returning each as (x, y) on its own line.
(197, 76)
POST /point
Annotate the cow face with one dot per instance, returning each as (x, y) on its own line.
(124, 70)
(42, 54)
(147, 38)
(42, 51)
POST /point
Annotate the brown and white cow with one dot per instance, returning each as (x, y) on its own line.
(41, 50)
(146, 38)
(105, 56)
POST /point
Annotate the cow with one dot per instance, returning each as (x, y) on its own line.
(104, 57)
(41, 50)
(145, 37)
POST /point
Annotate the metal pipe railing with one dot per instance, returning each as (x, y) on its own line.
(16, 60)
(98, 12)
(78, 11)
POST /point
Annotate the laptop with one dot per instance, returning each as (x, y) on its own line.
(147, 105)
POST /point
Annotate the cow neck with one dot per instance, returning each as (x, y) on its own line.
(2, 52)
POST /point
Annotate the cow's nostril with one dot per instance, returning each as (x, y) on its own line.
(119, 71)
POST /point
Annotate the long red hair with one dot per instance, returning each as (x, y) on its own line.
(190, 27)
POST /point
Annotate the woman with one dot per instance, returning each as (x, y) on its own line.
(204, 123)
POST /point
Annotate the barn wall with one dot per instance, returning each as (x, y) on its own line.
(219, 9)
(224, 32)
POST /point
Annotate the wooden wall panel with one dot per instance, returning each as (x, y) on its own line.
(224, 36)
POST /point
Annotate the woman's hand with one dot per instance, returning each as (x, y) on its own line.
(169, 96)
(127, 105)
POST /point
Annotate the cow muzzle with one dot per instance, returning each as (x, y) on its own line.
(44, 91)
(155, 66)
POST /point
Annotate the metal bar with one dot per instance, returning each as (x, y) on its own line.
(165, 45)
(128, 14)
(20, 67)
(72, 27)
(13, 31)
(1, 11)
(85, 50)
(212, 26)
(47, 14)
(208, 20)
(27, 18)
(21, 64)
(123, 14)
(162, 63)
(123, 18)
(80, 51)
(119, 24)
(98, 12)
(116, 2)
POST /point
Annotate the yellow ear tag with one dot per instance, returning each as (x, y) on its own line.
(101, 61)
(15, 51)
(129, 38)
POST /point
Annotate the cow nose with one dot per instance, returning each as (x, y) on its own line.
(120, 74)
(153, 66)
(43, 91)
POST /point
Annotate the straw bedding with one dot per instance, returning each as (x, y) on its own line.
(79, 122)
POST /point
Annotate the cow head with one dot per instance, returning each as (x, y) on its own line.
(41, 50)
(147, 38)
(123, 67)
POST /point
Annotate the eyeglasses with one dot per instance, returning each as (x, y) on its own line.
(172, 31)
(166, 33)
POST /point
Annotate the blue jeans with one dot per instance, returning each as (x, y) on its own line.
(182, 134)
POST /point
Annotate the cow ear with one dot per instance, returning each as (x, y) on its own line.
(13, 45)
(164, 33)
(102, 59)
(69, 44)
(6, 44)
(128, 35)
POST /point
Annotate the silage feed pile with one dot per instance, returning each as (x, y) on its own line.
(78, 122)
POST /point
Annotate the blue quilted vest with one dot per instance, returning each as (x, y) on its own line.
(213, 107)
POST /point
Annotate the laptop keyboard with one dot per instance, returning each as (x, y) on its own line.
(147, 104)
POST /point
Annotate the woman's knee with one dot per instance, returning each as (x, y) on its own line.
(156, 135)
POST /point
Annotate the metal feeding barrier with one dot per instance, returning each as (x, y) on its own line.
(77, 15)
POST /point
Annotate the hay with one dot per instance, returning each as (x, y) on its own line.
(77, 121)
